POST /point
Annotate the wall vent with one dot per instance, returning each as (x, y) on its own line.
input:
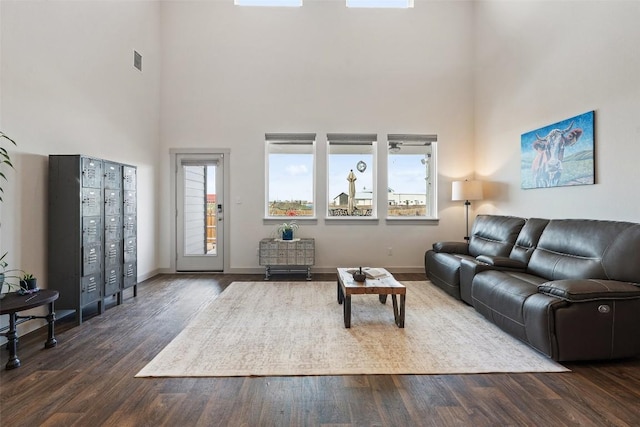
(137, 60)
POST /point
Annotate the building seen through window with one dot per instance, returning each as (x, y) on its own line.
(351, 167)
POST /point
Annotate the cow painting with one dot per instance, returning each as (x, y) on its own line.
(559, 154)
(547, 164)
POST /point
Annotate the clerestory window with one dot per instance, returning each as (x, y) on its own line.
(388, 4)
(398, 4)
(276, 3)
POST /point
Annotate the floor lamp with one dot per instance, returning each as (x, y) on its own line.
(466, 190)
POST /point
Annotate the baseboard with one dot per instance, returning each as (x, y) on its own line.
(153, 273)
(260, 270)
(325, 270)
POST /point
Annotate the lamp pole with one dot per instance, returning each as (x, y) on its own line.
(466, 190)
(466, 218)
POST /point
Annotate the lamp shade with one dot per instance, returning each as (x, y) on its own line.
(466, 190)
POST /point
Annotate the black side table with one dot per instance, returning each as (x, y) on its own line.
(13, 303)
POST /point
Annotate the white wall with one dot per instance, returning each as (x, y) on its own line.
(230, 74)
(478, 74)
(541, 62)
(69, 87)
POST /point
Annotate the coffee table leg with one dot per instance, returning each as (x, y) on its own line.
(347, 311)
(382, 298)
(340, 295)
(398, 314)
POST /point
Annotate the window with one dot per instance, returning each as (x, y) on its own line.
(351, 175)
(399, 4)
(290, 174)
(289, 3)
(411, 172)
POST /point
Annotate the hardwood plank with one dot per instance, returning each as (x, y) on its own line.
(88, 379)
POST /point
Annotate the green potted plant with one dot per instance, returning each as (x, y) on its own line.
(5, 275)
(286, 229)
(28, 282)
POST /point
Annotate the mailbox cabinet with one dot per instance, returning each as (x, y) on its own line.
(92, 227)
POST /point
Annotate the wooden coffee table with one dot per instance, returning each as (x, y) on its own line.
(382, 287)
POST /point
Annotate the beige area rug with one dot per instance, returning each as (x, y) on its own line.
(297, 328)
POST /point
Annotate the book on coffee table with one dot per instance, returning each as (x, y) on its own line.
(370, 272)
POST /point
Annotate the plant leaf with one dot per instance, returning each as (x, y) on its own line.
(4, 135)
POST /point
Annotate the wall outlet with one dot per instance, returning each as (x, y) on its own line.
(390, 251)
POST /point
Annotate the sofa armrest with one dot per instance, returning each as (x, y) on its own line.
(451, 247)
(502, 262)
(579, 290)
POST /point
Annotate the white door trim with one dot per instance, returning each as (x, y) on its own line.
(226, 162)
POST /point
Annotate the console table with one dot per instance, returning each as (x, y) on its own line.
(297, 255)
(13, 303)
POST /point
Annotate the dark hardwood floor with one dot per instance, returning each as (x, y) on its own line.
(88, 380)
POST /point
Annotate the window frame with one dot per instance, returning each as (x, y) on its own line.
(353, 139)
(431, 197)
(293, 139)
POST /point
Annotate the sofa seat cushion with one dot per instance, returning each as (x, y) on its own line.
(500, 296)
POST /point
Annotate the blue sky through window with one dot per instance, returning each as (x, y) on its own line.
(291, 175)
(407, 173)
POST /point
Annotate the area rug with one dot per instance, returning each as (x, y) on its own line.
(297, 328)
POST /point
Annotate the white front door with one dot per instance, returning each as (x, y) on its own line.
(199, 212)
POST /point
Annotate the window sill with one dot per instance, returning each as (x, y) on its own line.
(412, 220)
(281, 219)
(351, 219)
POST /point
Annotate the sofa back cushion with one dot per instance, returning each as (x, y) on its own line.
(494, 235)
(528, 239)
(588, 249)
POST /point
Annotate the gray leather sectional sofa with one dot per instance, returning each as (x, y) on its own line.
(569, 288)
